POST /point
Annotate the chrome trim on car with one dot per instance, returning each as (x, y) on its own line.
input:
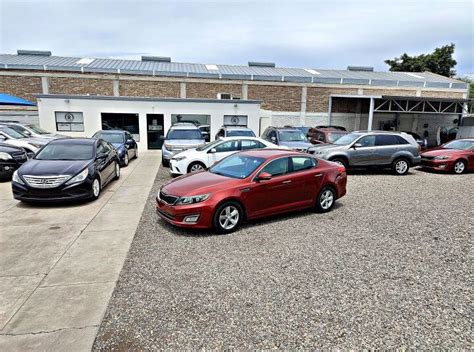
(45, 181)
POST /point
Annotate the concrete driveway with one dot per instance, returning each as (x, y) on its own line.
(59, 264)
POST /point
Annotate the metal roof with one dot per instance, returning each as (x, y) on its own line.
(255, 73)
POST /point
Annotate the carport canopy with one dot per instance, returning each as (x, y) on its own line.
(406, 105)
(7, 99)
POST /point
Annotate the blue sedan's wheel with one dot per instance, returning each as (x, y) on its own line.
(125, 160)
(117, 171)
(95, 188)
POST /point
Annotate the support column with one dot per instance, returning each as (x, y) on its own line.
(245, 91)
(371, 115)
(116, 87)
(45, 85)
(329, 111)
(304, 94)
(182, 90)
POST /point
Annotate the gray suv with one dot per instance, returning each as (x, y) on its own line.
(181, 136)
(360, 149)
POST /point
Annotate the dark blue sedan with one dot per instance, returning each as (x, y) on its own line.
(123, 141)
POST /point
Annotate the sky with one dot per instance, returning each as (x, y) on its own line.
(308, 34)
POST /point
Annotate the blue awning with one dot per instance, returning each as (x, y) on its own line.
(6, 99)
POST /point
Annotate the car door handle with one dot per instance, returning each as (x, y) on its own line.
(287, 181)
(248, 189)
(318, 175)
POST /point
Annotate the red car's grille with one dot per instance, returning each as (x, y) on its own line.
(167, 198)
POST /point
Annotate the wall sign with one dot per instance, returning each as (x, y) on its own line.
(235, 120)
(69, 121)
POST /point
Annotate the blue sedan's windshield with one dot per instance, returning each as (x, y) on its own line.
(237, 166)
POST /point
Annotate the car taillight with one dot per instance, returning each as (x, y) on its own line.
(341, 169)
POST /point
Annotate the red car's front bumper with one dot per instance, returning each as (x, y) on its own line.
(438, 165)
(185, 215)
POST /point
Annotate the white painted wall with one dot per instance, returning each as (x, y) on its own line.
(92, 109)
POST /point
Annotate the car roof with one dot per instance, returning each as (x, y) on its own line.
(236, 127)
(110, 131)
(184, 127)
(272, 153)
(241, 137)
(74, 140)
(286, 128)
(379, 132)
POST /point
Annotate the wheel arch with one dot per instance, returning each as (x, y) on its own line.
(339, 156)
(235, 200)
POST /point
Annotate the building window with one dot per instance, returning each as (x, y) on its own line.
(121, 121)
(196, 119)
(69, 121)
(227, 96)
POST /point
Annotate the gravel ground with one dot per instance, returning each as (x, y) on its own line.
(389, 267)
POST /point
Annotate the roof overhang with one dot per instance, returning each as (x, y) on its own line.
(148, 99)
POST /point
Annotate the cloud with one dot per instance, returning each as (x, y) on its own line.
(319, 34)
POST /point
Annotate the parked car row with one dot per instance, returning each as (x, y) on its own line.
(234, 179)
(57, 168)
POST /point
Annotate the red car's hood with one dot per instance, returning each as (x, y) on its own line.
(442, 151)
(197, 183)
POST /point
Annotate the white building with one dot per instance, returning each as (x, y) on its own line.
(146, 118)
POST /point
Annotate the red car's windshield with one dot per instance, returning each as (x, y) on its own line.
(459, 144)
(237, 166)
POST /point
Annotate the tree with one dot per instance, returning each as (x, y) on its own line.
(440, 61)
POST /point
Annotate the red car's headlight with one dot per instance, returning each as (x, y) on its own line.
(193, 199)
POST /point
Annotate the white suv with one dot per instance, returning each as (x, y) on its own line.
(204, 156)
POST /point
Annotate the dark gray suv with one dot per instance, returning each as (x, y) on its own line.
(361, 149)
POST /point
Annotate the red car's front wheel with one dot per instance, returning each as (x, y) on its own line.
(228, 217)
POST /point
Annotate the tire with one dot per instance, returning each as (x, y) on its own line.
(196, 166)
(125, 160)
(136, 153)
(96, 188)
(165, 162)
(222, 221)
(325, 200)
(117, 171)
(400, 166)
(459, 167)
(341, 161)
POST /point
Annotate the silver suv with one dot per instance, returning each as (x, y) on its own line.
(360, 149)
(181, 136)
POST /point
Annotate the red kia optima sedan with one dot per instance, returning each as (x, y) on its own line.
(250, 185)
(456, 156)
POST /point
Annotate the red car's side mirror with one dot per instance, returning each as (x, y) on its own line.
(264, 176)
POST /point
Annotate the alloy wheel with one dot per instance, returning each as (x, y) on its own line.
(229, 217)
(96, 188)
(125, 160)
(459, 167)
(326, 199)
(401, 166)
(196, 167)
(117, 170)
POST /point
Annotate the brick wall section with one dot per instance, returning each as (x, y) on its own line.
(277, 98)
(210, 90)
(318, 98)
(60, 85)
(392, 92)
(149, 89)
(23, 87)
(433, 94)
